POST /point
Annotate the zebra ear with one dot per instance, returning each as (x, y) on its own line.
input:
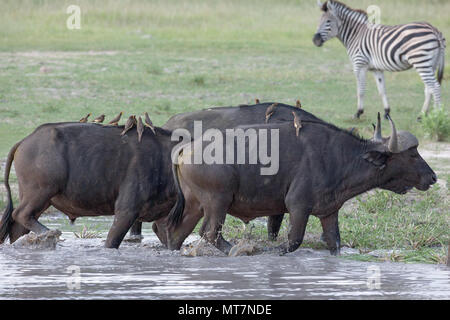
(331, 10)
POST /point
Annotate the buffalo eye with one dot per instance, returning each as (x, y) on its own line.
(414, 154)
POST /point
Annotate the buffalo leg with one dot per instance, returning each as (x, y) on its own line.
(215, 237)
(214, 218)
(27, 213)
(274, 225)
(159, 228)
(188, 224)
(192, 214)
(331, 234)
(123, 220)
(298, 220)
(17, 230)
(136, 229)
(135, 232)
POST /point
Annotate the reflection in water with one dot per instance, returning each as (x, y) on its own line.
(147, 271)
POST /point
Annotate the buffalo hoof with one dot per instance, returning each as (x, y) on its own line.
(134, 238)
(272, 236)
(358, 114)
(335, 252)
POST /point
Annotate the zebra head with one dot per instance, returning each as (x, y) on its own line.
(329, 23)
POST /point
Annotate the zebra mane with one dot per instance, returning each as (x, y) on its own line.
(342, 6)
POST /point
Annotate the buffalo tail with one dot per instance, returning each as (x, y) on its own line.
(7, 220)
(176, 213)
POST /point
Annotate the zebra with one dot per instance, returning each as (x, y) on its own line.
(379, 48)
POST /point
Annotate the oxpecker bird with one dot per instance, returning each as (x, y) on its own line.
(270, 110)
(85, 119)
(257, 101)
(149, 123)
(298, 104)
(99, 119)
(353, 130)
(115, 121)
(140, 128)
(297, 123)
(130, 124)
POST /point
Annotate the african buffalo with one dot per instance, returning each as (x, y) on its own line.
(87, 169)
(223, 118)
(319, 170)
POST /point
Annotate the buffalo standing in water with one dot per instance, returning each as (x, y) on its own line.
(86, 169)
(318, 171)
(223, 118)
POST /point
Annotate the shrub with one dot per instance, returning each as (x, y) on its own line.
(437, 124)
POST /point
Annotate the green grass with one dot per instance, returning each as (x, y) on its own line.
(437, 124)
(167, 57)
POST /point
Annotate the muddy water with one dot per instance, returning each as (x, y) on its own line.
(83, 269)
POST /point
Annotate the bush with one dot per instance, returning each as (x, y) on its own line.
(437, 124)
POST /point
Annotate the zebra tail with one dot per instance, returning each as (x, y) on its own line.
(441, 65)
(441, 62)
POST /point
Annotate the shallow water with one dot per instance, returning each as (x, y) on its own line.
(147, 271)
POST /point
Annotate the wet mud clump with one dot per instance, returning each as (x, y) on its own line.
(201, 248)
(47, 240)
(204, 248)
(243, 248)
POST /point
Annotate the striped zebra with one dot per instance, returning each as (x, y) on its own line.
(380, 48)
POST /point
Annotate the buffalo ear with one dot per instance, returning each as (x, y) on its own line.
(376, 158)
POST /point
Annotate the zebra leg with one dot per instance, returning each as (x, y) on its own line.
(431, 87)
(379, 79)
(426, 103)
(360, 73)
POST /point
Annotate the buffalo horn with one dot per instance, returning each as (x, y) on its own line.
(393, 141)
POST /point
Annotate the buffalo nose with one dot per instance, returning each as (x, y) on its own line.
(433, 178)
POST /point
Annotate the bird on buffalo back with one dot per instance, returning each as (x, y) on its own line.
(297, 123)
(149, 123)
(85, 119)
(130, 124)
(354, 131)
(99, 119)
(298, 104)
(270, 110)
(140, 128)
(115, 121)
(257, 101)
